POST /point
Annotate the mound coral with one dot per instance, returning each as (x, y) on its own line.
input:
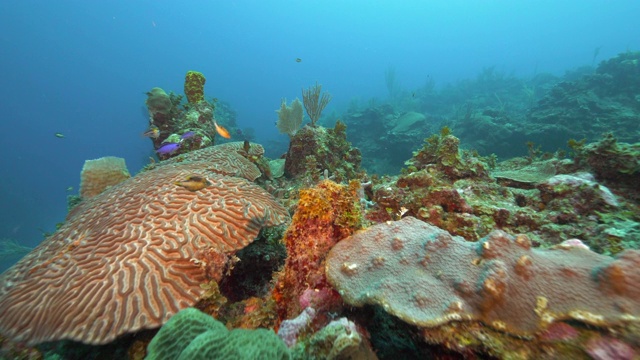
(428, 278)
(158, 102)
(442, 152)
(329, 148)
(194, 87)
(131, 257)
(612, 161)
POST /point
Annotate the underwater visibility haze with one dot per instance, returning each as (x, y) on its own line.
(442, 179)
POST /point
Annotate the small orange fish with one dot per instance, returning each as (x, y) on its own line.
(194, 183)
(153, 132)
(222, 131)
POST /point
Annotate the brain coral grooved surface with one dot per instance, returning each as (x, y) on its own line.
(131, 257)
(427, 277)
(224, 159)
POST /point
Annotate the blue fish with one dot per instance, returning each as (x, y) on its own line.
(188, 134)
(168, 148)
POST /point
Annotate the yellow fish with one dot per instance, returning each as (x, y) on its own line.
(194, 183)
(222, 131)
(153, 132)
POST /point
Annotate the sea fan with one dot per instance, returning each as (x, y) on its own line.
(10, 248)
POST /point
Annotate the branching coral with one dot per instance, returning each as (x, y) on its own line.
(428, 278)
(315, 102)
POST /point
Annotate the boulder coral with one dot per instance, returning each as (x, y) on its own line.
(428, 278)
(329, 150)
(137, 253)
(158, 102)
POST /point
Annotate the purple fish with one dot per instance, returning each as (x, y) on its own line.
(188, 134)
(168, 148)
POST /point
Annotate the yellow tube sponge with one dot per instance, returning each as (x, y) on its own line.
(194, 86)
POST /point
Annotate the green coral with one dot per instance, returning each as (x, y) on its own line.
(192, 335)
(442, 151)
(611, 160)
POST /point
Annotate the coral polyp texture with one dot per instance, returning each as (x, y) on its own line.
(194, 87)
(226, 159)
(325, 214)
(427, 277)
(99, 174)
(132, 256)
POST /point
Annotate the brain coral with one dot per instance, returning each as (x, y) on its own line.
(194, 335)
(133, 256)
(427, 277)
(224, 159)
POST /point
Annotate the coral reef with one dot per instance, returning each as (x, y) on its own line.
(592, 104)
(170, 119)
(442, 272)
(548, 198)
(612, 161)
(442, 151)
(499, 113)
(163, 109)
(330, 151)
(100, 174)
(428, 189)
(428, 278)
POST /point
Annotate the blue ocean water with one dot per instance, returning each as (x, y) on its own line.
(81, 68)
